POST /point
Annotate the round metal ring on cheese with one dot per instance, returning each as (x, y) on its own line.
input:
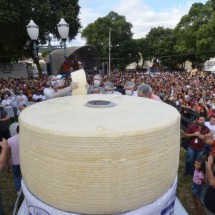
(99, 160)
(100, 104)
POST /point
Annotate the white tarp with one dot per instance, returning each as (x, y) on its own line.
(165, 205)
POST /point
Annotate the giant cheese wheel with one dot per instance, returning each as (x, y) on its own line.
(82, 155)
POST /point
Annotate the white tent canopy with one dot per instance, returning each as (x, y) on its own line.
(209, 64)
(212, 69)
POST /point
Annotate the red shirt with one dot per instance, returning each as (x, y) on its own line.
(66, 66)
(199, 145)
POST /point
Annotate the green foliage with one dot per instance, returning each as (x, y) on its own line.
(159, 43)
(15, 15)
(97, 34)
(190, 30)
(192, 39)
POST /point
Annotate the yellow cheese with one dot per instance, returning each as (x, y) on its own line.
(99, 160)
(79, 77)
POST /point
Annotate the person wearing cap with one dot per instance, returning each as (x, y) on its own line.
(97, 79)
(109, 88)
(95, 90)
(144, 90)
(56, 88)
(129, 88)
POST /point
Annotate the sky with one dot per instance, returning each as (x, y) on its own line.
(142, 14)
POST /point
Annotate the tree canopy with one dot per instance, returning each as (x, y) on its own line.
(190, 30)
(15, 15)
(192, 39)
(97, 34)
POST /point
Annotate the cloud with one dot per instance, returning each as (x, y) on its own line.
(140, 14)
(143, 17)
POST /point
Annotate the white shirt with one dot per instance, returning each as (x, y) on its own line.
(35, 97)
(135, 93)
(7, 106)
(22, 100)
(211, 127)
(6, 102)
(117, 93)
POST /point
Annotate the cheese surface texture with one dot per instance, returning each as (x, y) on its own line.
(99, 160)
(79, 77)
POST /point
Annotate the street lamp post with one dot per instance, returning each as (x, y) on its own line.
(63, 30)
(109, 45)
(50, 55)
(33, 32)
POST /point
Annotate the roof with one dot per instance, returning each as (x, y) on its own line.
(87, 55)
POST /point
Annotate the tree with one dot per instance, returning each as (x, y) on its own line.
(205, 43)
(159, 44)
(15, 15)
(97, 34)
(134, 52)
(189, 29)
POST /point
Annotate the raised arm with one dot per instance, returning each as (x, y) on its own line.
(209, 172)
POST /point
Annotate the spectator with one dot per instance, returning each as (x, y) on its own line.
(196, 134)
(144, 90)
(109, 88)
(211, 125)
(95, 90)
(197, 186)
(3, 158)
(210, 193)
(4, 151)
(13, 143)
(56, 88)
(7, 106)
(38, 96)
(129, 89)
(97, 79)
(4, 125)
(22, 99)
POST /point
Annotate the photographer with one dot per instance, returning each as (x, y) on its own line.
(209, 199)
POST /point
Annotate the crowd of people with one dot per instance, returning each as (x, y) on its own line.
(186, 92)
